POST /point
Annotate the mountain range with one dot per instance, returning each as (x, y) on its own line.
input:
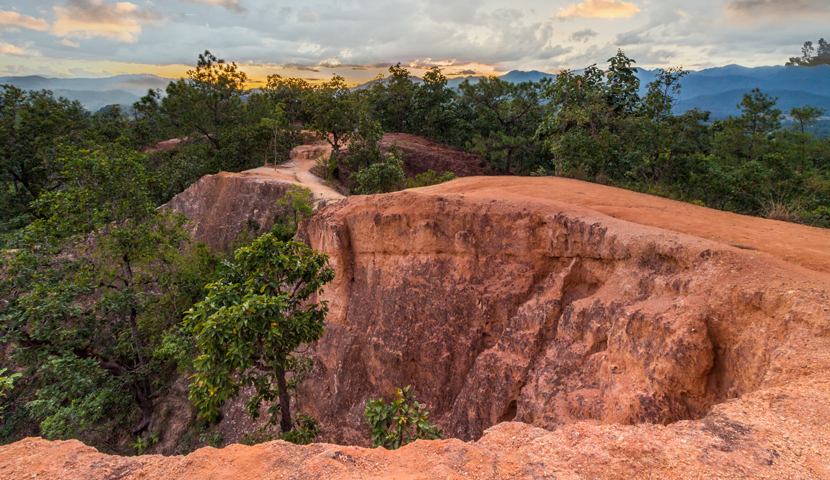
(717, 90)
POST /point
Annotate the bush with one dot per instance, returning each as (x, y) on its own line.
(400, 422)
(6, 385)
(383, 177)
(429, 178)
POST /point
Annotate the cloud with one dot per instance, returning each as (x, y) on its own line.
(69, 43)
(583, 35)
(232, 5)
(755, 9)
(95, 18)
(14, 19)
(9, 49)
(599, 9)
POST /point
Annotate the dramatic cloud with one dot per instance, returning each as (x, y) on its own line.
(583, 35)
(14, 19)
(599, 9)
(95, 18)
(362, 37)
(232, 5)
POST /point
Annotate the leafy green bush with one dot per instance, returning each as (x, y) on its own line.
(400, 422)
(6, 385)
(304, 432)
(429, 178)
(383, 177)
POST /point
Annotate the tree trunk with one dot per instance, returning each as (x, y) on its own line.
(285, 399)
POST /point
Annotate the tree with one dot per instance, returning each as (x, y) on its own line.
(392, 98)
(209, 103)
(31, 125)
(289, 92)
(759, 118)
(251, 323)
(810, 56)
(433, 114)
(332, 113)
(6, 386)
(805, 116)
(94, 290)
(504, 118)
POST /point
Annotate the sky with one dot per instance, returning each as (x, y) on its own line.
(359, 38)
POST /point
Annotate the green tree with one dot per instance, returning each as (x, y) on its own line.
(805, 116)
(209, 103)
(333, 113)
(289, 92)
(433, 113)
(94, 291)
(392, 99)
(31, 125)
(503, 117)
(251, 323)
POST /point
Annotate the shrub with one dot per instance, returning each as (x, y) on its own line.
(429, 178)
(383, 177)
(400, 422)
(6, 385)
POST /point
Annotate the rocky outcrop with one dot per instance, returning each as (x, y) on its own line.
(502, 306)
(740, 439)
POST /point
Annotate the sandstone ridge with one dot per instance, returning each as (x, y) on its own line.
(562, 329)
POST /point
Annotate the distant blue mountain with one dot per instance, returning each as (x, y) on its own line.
(717, 90)
(93, 93)
(724, 104)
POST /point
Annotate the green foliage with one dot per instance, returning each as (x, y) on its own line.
(32, 124)
(6, 386)
(502, 119)
(429, 178)
(252, 321)
(364, 147)
(297, 206)
(382, 177)
(333, 112)
(304, 432)
(95, 287)
(400, 422)
(284, 135)
(145, 441)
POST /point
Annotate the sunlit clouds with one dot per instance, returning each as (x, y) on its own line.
(599, 9)
(359, 38)
(95, 18)
(14, 19)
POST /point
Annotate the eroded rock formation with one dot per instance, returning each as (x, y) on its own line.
(565, 330)
(501, 305)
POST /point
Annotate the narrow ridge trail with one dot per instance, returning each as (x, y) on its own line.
(297, 170)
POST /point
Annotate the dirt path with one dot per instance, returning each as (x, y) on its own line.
(298, 170)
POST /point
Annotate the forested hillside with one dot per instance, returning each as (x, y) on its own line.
(97, 280)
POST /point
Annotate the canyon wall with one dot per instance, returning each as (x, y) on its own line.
(508, 304)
